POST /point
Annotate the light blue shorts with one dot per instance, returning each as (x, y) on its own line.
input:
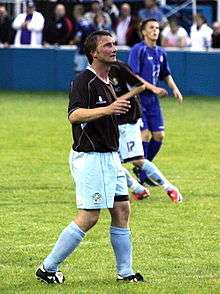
(130, 141)
(98, 177)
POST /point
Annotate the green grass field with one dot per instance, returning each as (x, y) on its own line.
(176, 247)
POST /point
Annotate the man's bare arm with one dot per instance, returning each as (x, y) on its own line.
(84, 115)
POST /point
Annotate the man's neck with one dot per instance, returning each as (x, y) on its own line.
(150, 43)
(101, 70)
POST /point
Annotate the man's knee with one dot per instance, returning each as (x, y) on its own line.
(158, 136)
(138, 163)
(120, 214)
(145, 135)
(86, 219)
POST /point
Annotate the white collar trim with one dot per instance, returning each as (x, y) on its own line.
(92, 70)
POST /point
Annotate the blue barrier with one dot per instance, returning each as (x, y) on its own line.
(196, 73)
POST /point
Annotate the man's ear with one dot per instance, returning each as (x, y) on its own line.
(93, 54)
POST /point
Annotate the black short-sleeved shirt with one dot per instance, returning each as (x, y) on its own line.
(121, 76)
(100, 135)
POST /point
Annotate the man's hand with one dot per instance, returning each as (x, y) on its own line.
(178, 95)
(24, 25)
(161, 92)
(120, 106)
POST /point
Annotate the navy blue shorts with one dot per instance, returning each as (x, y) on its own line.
(152, 116)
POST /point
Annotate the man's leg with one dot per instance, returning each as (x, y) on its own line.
(155, 144)
(138, 190)
(158, 178)
(156, 126)
(121, 237)
(69, 239)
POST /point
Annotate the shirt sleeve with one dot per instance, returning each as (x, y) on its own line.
(78, 96)
(164, 67)
(129, 75)
(134, 59)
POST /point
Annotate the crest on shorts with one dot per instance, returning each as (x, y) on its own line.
(97, 198)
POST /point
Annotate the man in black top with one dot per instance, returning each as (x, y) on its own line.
(130, 142)
(57, 31)
(95, 164)
(5, 27)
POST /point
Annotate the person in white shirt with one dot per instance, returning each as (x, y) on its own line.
(29, 27)
(173, 35)
(123, 24)
(200, 34)
(97, 8)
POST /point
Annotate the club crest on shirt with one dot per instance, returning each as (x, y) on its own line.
(114, 81)
(97, 198)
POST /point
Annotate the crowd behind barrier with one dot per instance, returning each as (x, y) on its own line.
(53, 26)
(68, 23)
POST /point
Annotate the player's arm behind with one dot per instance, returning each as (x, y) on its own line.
(176, 92)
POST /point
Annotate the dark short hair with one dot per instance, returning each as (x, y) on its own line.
(144, 22)
(92, 42)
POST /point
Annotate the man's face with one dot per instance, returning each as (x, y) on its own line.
(60, 11)
(125, 10)
(151, 31)
(2, 11)
(106, 50)
(149, 3)
(30, 9)
(173, 26)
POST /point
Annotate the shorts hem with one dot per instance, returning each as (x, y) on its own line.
(133, 158)
(119, 198)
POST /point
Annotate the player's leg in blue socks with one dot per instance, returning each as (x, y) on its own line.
(145, 147)
(68, 240)
(153, 149)
(155, 174)
(121, 243)
(133, 183)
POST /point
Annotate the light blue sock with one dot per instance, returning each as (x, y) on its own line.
(155, 174)
(68, 240)
(121, 243)
(133, 183)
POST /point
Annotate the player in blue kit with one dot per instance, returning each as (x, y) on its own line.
(149, 61)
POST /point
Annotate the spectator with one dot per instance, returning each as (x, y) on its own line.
(216, 35)
(5, 27)
(200, 34)
(100, 22)
(152, 10)
(28, 26)
(173, 35)
(112, 10)
(96, 8)
(82, 28)
(127, 27)
(58, 30)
